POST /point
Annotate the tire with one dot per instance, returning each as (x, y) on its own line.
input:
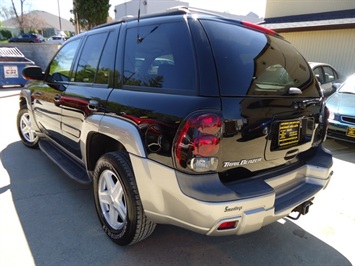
(25, 130)
(117, 201)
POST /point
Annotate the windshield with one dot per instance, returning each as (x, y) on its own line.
(348, 86)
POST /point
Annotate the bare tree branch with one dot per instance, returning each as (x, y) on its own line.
(19, 18)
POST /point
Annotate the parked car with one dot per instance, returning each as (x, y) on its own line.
(329, 78)
(56, 39)
(28, 37)
(200, 142)
(341, 105)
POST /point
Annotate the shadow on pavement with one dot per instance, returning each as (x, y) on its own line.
(341, 150)
(59, 220)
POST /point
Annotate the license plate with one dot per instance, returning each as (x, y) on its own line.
(289, 133)
(11, 71)
(350, 132)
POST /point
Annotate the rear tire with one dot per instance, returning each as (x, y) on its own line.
(117, 201)
(25, 130)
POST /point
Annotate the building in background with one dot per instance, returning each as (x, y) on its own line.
(130, 8)
(45, 23)
(323, 31)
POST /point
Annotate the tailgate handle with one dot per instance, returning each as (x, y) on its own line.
(294, 90)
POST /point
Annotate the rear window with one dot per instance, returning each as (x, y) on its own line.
(252, 63)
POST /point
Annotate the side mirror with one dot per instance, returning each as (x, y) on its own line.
(33, 73)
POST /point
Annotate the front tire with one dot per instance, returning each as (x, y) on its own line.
(117, 201)
(25, 130)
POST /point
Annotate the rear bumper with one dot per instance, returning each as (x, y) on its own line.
(202, 203)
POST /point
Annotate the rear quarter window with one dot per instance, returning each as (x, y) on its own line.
(253, 63)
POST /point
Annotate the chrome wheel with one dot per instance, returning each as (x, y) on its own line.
(112, 199)
(26, 128)
(117, 200)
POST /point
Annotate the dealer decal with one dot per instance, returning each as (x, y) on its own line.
(231, 209)
(241, 162)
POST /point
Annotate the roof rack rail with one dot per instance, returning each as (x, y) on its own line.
(191, 10)
(176, 10)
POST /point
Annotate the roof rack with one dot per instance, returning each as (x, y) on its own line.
(191, 10)
(176, 10)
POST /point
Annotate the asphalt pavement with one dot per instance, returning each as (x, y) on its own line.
(48, 219)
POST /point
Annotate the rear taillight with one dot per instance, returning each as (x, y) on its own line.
(197, 142)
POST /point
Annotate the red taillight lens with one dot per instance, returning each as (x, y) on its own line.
(206, 145)
(198, 141)
(208, 123)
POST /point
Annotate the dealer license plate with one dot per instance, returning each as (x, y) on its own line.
(350, 132)
(289, 132)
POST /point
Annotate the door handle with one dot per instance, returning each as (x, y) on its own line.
(93, 105)
(57, 97)
(294, 91)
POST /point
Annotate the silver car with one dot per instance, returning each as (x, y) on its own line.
(329, 78)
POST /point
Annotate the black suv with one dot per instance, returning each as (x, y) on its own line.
(182, 118)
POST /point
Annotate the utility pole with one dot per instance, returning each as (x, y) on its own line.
(60, 20)
(76, 18)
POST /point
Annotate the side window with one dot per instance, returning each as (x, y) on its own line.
(161, 58)
(89, 58)
(330, 74)
(105, 70)
(59, 68)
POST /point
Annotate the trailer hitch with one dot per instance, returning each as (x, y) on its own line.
(301, 209)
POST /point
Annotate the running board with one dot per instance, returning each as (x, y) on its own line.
(68, 165)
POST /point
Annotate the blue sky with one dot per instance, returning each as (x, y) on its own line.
(238, 7)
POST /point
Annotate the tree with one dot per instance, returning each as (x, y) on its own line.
(6, 13)
(33, 23)
(91, 13)
(26, 22)
(19, 18)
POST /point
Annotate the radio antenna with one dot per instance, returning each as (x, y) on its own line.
(139, 39)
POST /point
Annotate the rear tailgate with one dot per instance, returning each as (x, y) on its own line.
(271, 103)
